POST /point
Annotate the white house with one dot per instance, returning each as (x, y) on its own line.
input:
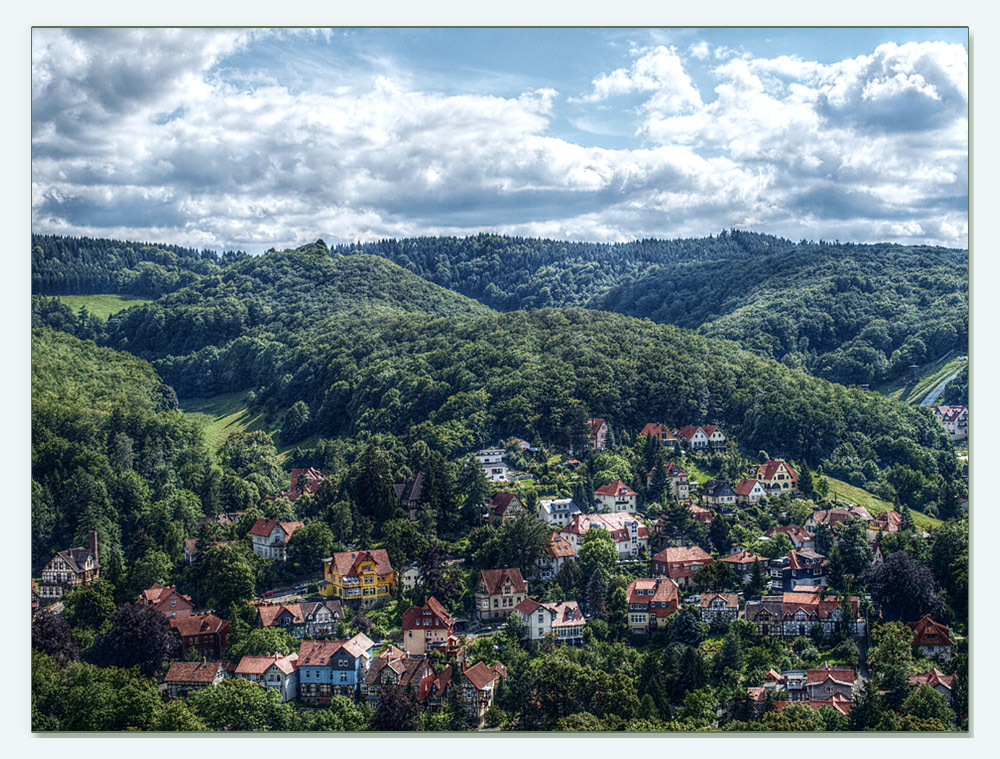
(275, 671)
(557, 551)
(491, 460)
(270, 538)
(558, 512)
(564, 620)
(629, 533)
(616, 496)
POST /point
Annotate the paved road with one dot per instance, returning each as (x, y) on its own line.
(931, 398)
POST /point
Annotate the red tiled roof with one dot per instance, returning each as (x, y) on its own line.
(559, 546)
(500, 502)
(796, 533)
(745, 486)
(615, 488)
(927, 632)
(684, 554)
(663, 590)
(933, 678)
(263, 527)
(440, 614)
(826, 672)
(528, 606)
(614, 523)
(193, 672)
(258, 665)
(743, 557)
(495, 578)
(769, 468)
(199, 624)
(841, 703)
(480, 675)
(729, 598)
(346, 562)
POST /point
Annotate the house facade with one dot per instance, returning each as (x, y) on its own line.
(557, 512)
(498, 592)
(270, 538)
(69, 569)
(795, 569)
(206, 633)
(557, 551)
(409, 495)
(777, 476)
(167, 601)
(329, 668)
(597, 434)
(718, 607)
(616, 497)
(505, 507)
(680, 564)
(931, 638)
(563, 620)
(954, 419)
(749, 491)
(650, 602)
(702, 437)
(660, 432)
(426, 627)
(491, 460)
(277, 672)
(742, 563)
(315, 619)
(719, 494)
(935, 679)
(793, 614)
(358, 578)
(184, 677)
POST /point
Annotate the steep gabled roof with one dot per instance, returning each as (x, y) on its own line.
(500, 502)
(263, 527)
(927, 632)
(258, 665)
(495, 578)
(411, 490)
(411, 615)
(595, 426)
(480, 675)
(729, 598)
(933, 678)
(615, 488)
(559, 546)
(769, 469)
(745, 486)
(347, 562)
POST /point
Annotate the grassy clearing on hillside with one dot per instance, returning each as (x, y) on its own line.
(875, 505)
(101, 306)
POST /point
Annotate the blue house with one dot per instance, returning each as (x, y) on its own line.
(333, 667)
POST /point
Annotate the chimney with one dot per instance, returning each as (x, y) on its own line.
(92, 537)
(204, 660)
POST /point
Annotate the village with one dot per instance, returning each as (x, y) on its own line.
(781, 584)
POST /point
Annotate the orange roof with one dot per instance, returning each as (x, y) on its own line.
(841, 703)
(685, 554)
(258, 665)
(615, 488)
(480, 675)
(647, 589)
(347, 562)
(827, 672)
(193, 672)
(743, 557)
(933, 678)
(559, 546)
(769, 469)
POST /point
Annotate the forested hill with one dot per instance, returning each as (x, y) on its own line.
(276, 295)
(855, 314)
(848, 313)
(83, 265)
(512, 273)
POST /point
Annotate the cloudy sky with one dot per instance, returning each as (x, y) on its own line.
(254, 139)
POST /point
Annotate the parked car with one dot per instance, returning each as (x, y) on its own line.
(267, 593)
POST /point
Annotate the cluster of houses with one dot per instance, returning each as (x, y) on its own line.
(954, 419)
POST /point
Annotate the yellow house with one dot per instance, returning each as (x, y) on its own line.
(358, 578)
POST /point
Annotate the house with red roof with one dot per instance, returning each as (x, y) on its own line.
(680, 564)
(701, 437)
(392, 668)
(302, 481)
(206, 633)
(954, 419)
(563, 620)
(799, 536)
(597, 434)
(358, 578)
(166, 600)
(777, 476)
(479, 686)
(498, 592)
(887, 522)
(275, 671)
(836, 516)
(797, 568)
(742, 563)
(749, 491)
(270, 538)
(184, 677)
(628, 532)
(651, 600)
(660, 432)
(316, 619)
(333, 667)
(935, 679)
(616, 496)
(557, 551)
(701, 515)
(425, 627)
(793, 614)
(824, 686)
(931, 638)
(505, 507)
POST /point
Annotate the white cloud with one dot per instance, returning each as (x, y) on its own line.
(155, 134)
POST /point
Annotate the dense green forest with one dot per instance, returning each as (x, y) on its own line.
(359, 344)
(82, 265)
(856, 314)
